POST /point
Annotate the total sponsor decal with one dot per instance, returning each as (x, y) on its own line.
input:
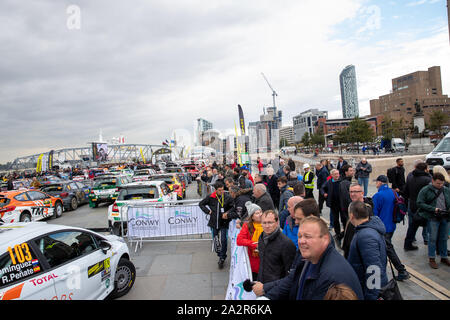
(38, 281)
(182, 218)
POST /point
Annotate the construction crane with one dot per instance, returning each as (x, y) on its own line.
(274, 94)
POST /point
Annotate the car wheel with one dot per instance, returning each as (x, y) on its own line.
(58, 210)
(73, 203)
(25, 217)
(125, 276)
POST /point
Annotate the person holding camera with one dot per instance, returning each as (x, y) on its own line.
(433, 203)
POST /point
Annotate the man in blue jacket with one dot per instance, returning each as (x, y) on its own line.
(383, 207)
(368, 250)
(290, 226)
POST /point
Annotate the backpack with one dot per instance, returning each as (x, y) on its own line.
(391, 174)
(400, 209)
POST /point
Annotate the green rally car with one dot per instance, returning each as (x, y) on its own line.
(106, 189)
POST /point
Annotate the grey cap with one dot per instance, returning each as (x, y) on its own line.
(252, 208)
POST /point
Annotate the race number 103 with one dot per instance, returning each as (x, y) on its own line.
(22, 253)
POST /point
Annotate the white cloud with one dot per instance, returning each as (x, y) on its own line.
(146, 70)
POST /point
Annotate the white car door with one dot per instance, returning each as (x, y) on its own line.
(23, 276)
(82, 271)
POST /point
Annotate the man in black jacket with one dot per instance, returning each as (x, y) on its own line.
(322, 175)
(416, 180)
(217, 205)
(344, 192)
(239, 210)
(398, 176)
(314, 270)
(330, 191)
(340, 164)
(276, 250)
(262, 198)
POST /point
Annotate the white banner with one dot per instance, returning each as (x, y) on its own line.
(153, 221)
(240, 269)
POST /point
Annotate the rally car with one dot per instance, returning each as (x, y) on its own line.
(28, 205)
(40, 261)
(137, 193)
(192, 170)
(72, 193)
(106, 188)
(143, 174)
(172, 181)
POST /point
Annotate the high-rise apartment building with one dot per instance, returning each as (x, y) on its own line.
(200, 126)
(349, 92)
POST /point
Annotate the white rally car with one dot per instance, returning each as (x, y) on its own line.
(143, 174)
(137, 193)
(40, 261)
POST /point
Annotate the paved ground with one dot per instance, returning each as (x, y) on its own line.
(188, 270)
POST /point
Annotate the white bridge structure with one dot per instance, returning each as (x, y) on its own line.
(117, 153)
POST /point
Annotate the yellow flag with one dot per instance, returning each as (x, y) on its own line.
(142, 155)
(39, 163)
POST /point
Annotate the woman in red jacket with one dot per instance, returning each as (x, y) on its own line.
(249, 235)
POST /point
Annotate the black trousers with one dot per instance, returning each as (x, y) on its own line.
(309, 193)
(321, 202)
(337, 212)
(392, 254)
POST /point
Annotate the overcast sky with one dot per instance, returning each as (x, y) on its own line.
(146, 68)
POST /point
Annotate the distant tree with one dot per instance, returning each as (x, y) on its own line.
(306, 139)
(391, 128)
(437, 120)
(360, 131)
(318, 138)
(283, 142)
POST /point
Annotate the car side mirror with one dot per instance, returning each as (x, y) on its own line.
(105, 246)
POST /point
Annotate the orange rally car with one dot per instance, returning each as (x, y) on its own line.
(28, 205)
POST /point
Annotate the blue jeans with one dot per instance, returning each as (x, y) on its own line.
(364, 182)
(438, 235)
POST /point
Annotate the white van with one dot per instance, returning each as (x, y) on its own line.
(398, 145)
(440, 155)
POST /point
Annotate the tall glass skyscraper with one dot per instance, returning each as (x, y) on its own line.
(349, 94)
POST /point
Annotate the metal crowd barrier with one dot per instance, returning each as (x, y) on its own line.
(175, 228)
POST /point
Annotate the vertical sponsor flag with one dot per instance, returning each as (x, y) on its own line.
(142, 155)
(39, 163)
(50, 160)
(241, 120)
(238, 146)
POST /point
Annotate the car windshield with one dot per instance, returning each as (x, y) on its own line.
(105, 183)
(53, 188)
(141, 193)
(443, 146)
